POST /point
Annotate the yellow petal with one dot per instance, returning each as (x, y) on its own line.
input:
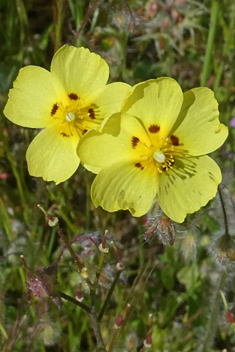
(115, 143)
(110, 99)
(125, 186)
(156, 102)
(52, 156)
(188, 186)
(31, 99)
(198, 126)
(79, 71)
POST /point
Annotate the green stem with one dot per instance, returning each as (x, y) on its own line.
(224, 212)
(218, 77)
(69, 247)
(74, 301)
(16, 174)
(87, 16)
(62, 213)
(118, 273)
(2, 325)
(212, 323)
(141, 243)
(101, 262)
(58, 25)
(96, 328)
(112, 343)
(73, 254)
(92, 314)
(88, 206)
(210, 42)
(5, 221)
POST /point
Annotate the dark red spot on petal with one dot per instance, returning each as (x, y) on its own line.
(73, 96)
(84, 132)
(134, 141)
(174, 140)
(64, 134)
(91, 114)
(139, 166)
(154, 128)
(54, 109)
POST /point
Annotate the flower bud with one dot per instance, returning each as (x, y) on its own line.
(42, 284)
(224, 249)
(118, 322)
(121, 318)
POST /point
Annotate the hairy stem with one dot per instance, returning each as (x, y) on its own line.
(74, 301)
(73, 254)
(96, 329)
(212, 323)
(93, 316)
(224, 212)
(69, 247)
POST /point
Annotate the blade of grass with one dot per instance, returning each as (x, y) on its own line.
(210, 42)
(5, 220)
(16, 174)
(58, 23)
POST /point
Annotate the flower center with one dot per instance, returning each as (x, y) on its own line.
(74, 116)
(165, 156)
(70, 116)
(159, 156)
(158, 152)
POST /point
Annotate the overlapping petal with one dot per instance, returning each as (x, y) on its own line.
(198, 126)
(52, 156)
(79, 71)
(188, 186)
(183, 178)
(156, 102)
(123, 186)
(112, 145)
(29, 104)
(110, 99)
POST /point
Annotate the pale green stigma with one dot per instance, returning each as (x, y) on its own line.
(70, 116)
(159, 156)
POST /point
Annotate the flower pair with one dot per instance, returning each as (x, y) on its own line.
(143, 142)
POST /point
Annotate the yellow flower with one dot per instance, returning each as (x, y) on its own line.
(157, 146)
(65, 103)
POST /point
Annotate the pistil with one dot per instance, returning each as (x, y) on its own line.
(70, 116)
(159, 156)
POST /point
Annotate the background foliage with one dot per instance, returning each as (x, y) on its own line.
(187, 286)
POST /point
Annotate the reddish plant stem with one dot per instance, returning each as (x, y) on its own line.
(87, 16)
